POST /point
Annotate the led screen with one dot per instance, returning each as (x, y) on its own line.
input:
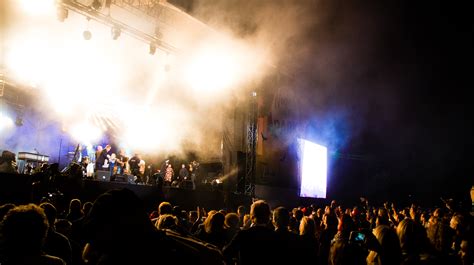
(313, 169)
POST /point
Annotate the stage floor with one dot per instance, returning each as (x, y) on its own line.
(18, 189)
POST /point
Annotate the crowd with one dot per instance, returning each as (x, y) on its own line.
(116, 229)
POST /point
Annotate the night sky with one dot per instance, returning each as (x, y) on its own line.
(399, 72)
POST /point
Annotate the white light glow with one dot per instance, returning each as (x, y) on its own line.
(5, 122)
(152, 108)
(212, 71)
(38, 7)
(220, 64)
(85, 133)
(154, 129)
(313, 170)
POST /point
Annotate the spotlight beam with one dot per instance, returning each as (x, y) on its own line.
(109, 21)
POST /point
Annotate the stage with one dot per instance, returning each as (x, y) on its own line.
(19, 189)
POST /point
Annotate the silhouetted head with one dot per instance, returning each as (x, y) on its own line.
(50, 212)
(23, 230)
(260, 212)
(165, 208)
(8, 156)
(116, 220)
(281, 218)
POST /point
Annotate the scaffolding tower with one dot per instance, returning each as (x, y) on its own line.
(251, 152)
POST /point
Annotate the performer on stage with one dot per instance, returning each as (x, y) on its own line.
(183, 175)
(163, 168)
(120, 162)
(102, 162)
(141, 170)
(169, 175)
(98, 163)
(192, 173)
(112, 162)
(134, 163)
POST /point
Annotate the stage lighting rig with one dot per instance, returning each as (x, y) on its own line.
(152, 48)
(87, 34)
(96, 5)
(62, 13)
(116, 31)
(100, 11)
(158, 33)
(19, 121)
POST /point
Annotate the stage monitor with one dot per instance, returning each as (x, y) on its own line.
(313, 169)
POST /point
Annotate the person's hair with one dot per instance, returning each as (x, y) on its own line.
(165, 208)
(166, 221)
(192, 215)
(63, 226)
(389, 252)
(118, 217)
(214, 222)
(86, 207)
(346, 225)
(412, 236)
(307, 226)
(177, 211)
(439, 235)
(298, 214)
(438, 212)
(232, 220)
(260, 212)
(246, 221)
(241, 209)
(5, 208)
(331, 221)
(24, 229)
(281, 217)
(50, 212)
(75, 206)
(8, 156)
(457, 221)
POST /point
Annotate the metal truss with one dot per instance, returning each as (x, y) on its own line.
(2, 84)
(251, 159)
(151, 8)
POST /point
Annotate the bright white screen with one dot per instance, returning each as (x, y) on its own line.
(313, 170)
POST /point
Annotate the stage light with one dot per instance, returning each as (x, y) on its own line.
(152, 48)
(19, 121)
(62, 13)
(87, 35)
(96, 5)
(216, 184)
(115, 32)
(158, 33)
